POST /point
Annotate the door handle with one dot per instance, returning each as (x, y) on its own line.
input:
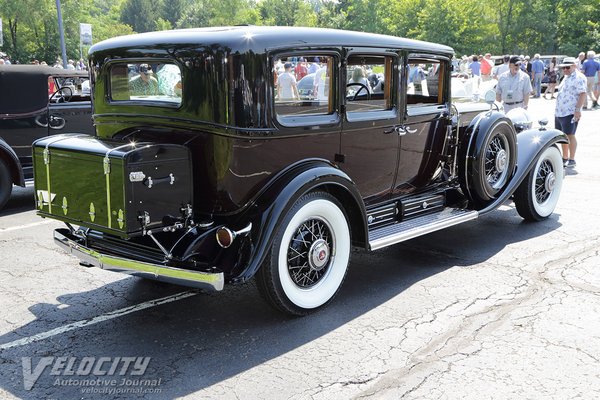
(56, 122)
(392, 130)
(408, 130)
(401, 130)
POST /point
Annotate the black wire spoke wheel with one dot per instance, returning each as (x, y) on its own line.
(496, 161)
(538, 194)
(493, 164)
(545, 182)
(310, 253)
(309, 256)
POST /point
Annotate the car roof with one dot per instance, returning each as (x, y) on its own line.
(31, 80)
(260, 38)
(18, 71)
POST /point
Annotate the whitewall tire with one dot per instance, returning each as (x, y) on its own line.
(309, 256)
(537, 196)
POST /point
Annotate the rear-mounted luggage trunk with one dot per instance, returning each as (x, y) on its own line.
(111, 186)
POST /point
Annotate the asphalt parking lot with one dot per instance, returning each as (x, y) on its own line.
(495, 308)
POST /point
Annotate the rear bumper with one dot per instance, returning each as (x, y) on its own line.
(197, 279)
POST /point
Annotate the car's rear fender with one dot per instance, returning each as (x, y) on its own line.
(272, 204)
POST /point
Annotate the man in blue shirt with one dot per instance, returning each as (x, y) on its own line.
(590, 69)
(537, 69)
(475, 67)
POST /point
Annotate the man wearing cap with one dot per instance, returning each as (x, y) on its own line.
(513, 86)
(570, 100)
(144, 84)
(287, 88)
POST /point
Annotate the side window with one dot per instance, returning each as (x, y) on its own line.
(146, 82)
(303, 85)
(425, 78)
(368, 86)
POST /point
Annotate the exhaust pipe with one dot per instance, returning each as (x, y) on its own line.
(226, 236)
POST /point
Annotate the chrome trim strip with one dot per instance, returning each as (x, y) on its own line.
(413, 228)
(196, 279)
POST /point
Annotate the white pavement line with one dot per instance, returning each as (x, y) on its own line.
(101, 318)
(18, 227)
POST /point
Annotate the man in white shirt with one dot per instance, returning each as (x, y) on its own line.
(287, 88)
(513, 86)
(571, 98)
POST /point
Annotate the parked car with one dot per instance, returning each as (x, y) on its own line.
(224, 183)
(37, 101)
(305, 87)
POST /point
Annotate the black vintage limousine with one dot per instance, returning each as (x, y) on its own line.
(37, 101)
(208, 168)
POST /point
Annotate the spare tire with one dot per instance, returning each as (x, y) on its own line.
(492, 157)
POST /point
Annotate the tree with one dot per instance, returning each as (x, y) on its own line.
(287, 13)
(141, 15)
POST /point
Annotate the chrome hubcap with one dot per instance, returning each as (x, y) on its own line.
(550, 182)
(319, 255)
(501, 160)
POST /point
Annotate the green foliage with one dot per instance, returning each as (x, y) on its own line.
(469, 26)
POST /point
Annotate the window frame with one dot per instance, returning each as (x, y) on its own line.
(443, 96)
(391, 88)
(308, 120)
(137, 102)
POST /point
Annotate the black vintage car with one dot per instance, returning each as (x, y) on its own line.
(201, 174)
(37, 101)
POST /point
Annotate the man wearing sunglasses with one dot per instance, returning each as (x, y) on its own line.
(569, 102)
(513, 86)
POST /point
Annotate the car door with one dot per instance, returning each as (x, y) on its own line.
(70, 109)
(369, 143)
(425, 121)
(70, 117)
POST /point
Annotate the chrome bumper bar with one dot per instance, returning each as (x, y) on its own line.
(185, 277)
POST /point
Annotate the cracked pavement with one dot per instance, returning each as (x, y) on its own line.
(495, 308)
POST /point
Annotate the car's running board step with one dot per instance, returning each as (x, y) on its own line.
(388, 235)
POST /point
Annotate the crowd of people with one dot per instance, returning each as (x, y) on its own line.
(581, 77)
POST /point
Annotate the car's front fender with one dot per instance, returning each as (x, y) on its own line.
(531, 144)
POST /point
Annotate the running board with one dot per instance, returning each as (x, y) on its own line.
(399, 232)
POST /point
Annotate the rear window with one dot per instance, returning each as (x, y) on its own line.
(146, 82)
